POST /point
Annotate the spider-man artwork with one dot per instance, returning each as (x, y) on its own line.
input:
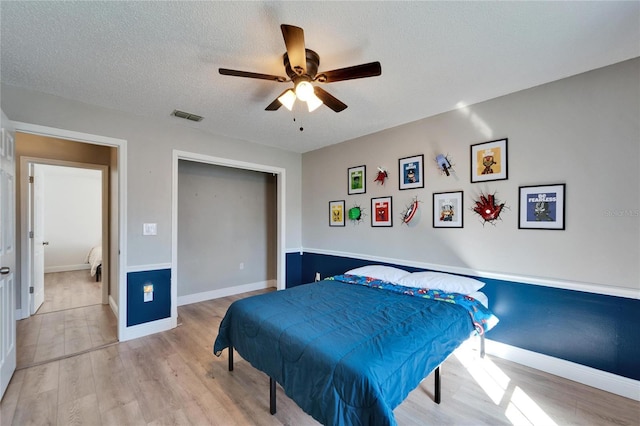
(381, 176)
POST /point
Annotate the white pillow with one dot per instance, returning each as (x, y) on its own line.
(440, 281)
(480, 297)
(380, 272)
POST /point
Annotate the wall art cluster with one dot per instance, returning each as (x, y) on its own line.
(539, 206)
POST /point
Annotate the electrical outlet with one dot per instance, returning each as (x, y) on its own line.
(241, 266)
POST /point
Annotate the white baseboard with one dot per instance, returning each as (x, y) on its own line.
(113, 305)
(223, 292)
(65, 268)
(599, 379)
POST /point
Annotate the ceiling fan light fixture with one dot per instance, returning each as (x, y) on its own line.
(301, 66)
(304, 90)
(313, 102)
(287, 99)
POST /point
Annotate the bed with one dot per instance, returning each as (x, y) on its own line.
(94, 258)
(350, 348)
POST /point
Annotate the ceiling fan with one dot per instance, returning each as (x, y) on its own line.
(301, 65)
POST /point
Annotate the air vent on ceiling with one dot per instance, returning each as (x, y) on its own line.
(186, 115)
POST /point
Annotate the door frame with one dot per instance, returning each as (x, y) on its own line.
(26, 208)
(8, 343)
(118, 255)
(218, 161)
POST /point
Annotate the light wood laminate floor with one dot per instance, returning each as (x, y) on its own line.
(71, 289)
(71, 320)
(173, 378)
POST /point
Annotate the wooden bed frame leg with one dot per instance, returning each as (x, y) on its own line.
(230, 358)
(272, 396)
(436, 397)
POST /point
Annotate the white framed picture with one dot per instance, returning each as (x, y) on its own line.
(447, 209)
(411, 172)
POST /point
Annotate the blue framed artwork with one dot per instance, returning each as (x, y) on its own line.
(411, 172)
(542, 207)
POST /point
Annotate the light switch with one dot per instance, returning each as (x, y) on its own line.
(150, 229)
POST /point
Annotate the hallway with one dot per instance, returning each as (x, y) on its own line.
(70, 321)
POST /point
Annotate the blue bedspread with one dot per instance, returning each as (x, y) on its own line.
(346, 354)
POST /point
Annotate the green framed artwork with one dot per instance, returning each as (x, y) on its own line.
(357, 180)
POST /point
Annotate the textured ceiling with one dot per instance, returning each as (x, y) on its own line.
(149, 58)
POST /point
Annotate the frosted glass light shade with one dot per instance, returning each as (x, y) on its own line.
(287, 99)
(313, 102)
(304, 90)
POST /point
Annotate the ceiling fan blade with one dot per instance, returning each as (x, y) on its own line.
(273, 106)
(294, 40)
(329, 100)
(236, 73)
(371, 69)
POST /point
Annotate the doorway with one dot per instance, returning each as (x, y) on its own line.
(67, 213)
(67, 320)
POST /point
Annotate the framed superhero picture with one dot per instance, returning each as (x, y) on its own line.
(447, 209)
(541, 207)
(489, 161)
(357, 180)
(411, 172)
(336, 213)
(381, 211)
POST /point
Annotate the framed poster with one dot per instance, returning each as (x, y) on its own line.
(489, 161)
(411, 172)
(447, 209)
(357, 180)
(381, 211)
(541, 207)
(336, 213)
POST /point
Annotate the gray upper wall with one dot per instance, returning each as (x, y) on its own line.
(226, 217)
(583, 131)
(150, 145)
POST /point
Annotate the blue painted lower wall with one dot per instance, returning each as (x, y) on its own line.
(294, 270)
(594, 330)
(139, 311)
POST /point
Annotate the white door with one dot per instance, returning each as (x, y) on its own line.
(38, 243)
(7, 255)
